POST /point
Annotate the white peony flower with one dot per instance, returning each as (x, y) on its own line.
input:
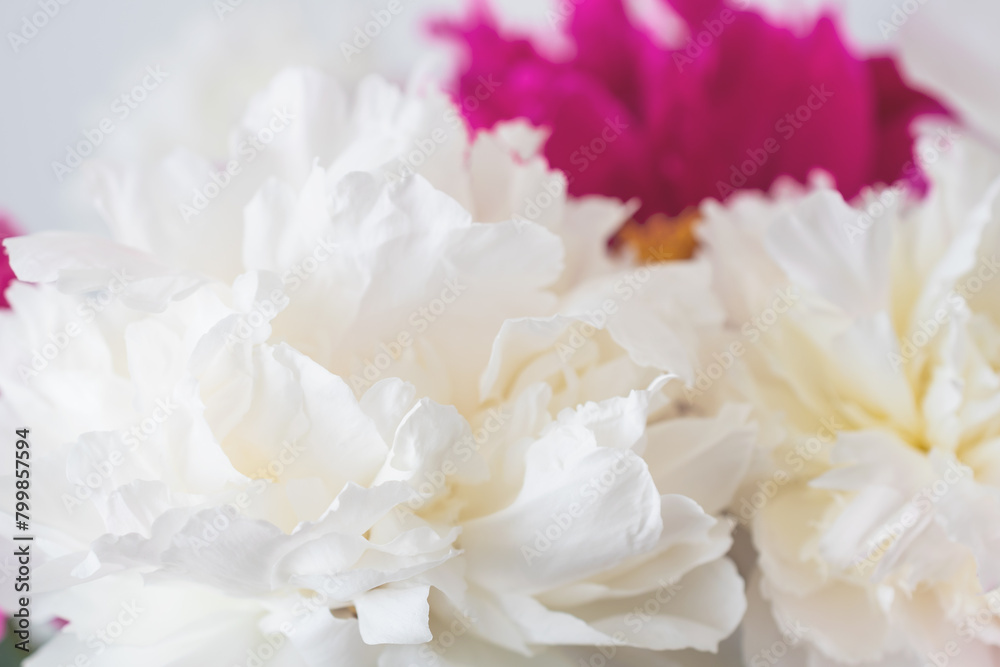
(382, 399)
(869, 341)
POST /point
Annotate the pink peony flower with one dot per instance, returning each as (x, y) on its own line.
(7, 229)
(739, 104)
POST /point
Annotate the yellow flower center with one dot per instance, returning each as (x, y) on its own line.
(661, 238)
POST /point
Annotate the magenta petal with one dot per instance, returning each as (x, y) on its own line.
(694, 12)
(745, 104)
(7, 229)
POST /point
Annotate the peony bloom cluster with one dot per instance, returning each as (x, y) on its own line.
(360, 377)
(366, 390)
(872, 358)
(734, 103)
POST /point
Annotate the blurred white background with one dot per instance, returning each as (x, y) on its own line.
(62, 81)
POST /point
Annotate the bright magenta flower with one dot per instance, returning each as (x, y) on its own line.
(7, 229)
(741, 103)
